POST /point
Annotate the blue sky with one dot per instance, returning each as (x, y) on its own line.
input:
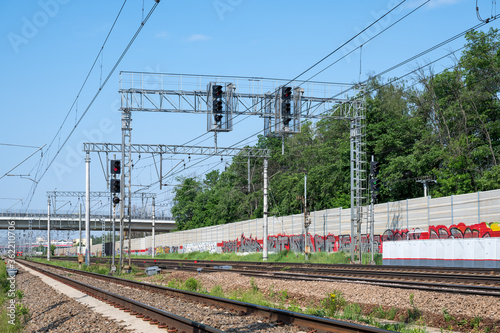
(48, 46)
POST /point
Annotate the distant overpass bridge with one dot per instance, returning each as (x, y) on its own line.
(67, 221)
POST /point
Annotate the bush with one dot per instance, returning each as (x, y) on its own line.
(192, 284)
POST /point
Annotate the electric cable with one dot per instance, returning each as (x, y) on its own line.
(97, 94)
(365, 81)
(88, 75)
(324, 58)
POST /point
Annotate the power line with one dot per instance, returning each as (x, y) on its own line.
(321, 60)
(392, 68)
(36, 151)
(88, 75)
(359, 47)
(14, 145)
(97, 93)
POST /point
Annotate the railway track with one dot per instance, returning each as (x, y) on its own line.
(157, 316)
(466, 281)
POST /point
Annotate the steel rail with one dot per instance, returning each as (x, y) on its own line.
(469, 289)
(462, 284)
(141, 310)
(467, 275)
(320, 325)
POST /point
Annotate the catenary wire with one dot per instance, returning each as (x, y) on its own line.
(95, 96)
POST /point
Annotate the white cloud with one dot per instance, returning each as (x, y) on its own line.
(198, 38)
(162, 34)
(432, 3)
(437, 3)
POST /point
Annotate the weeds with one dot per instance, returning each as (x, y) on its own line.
(175, 284)
(217, 291)
(414, 313)
(21, 312)
(379, 312)
(473, 323)
(352, 311)
(254, 286)
(333, 302)
(447, 316)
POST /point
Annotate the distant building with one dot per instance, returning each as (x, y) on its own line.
(84, 242)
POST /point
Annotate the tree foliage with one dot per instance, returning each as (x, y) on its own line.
(445, 126)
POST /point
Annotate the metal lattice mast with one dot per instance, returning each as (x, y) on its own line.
(125, 180)
(103, 250)
(358, 173)
(30, 236)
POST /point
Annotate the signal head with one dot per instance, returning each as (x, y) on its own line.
(374, 168)
(286, 92)
(217, 91)
(217, 117)
(115, 186)
(116, 167)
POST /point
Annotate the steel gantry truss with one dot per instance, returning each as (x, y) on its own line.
(96, 194)
(159, 92)
(163, 92)
(172, 149)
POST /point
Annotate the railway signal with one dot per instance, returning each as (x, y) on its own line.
(286, 106)
(116, 167)
(115, 186)
(374, 169)
(217, 105)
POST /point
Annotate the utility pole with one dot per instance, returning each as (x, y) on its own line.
(113, 266)
(307, 219)
(264, 255)
(80, 229)
(153, 227)
(372, 201)
(87, 210)
(48, 230)
(374, 188)
(426, 180)
(248, 175)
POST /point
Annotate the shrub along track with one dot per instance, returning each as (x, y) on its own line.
(206, 310)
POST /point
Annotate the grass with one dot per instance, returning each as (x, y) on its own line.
(334, 305)
(283, 256)
(414, 313)
(99, 268)
(21, 312)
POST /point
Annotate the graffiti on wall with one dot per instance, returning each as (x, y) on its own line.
(166, 249)
(295, 243)
(480, 230)
(249, 244)
(461, 230)
(333, 243)
(200, 247)
(229, 246)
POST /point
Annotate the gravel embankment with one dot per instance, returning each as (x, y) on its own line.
(309, 293)
(460, 308)
(220, 318)
(51, 311)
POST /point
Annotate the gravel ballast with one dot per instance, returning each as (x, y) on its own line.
(51, 311)
(310, 293)
(462, 309)
(220, 318)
